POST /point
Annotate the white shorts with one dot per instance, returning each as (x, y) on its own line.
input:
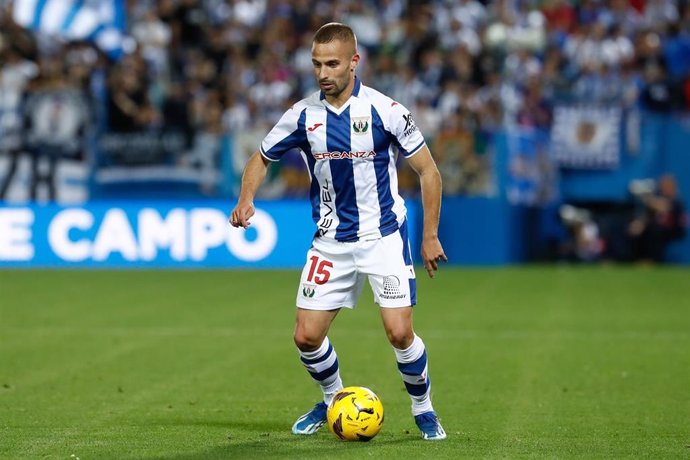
(334, 273)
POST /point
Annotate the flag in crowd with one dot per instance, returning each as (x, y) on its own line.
(586, 137)
(99, 21)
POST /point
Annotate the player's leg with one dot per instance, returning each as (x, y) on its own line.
(410, 353)
(391, 275)
(328, 283)
(315, 350)
(319, 358)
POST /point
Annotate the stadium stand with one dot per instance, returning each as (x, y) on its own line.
(193, 85)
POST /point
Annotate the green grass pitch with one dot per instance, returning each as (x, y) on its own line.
(528, 362)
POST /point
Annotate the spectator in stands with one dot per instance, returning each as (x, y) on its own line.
(560, 18)
(599, 84)
(676, 51)
(207, 116)
(445, 53)
(658, 12)
(154, 37)
(176, 110)
(535, 112)
(56, 115)
(660, 218)
(15, 73)
(462, 170)
(129, 105)
(629, 86)
(660, 94)
(618, 48)
(626, 13)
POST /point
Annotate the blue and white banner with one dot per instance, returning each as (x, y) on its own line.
(155, 235)
(163, 234)
(586, 137)
(99, 21)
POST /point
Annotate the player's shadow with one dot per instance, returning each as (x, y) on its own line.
(268, 439)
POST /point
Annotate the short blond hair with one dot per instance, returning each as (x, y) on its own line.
(335, 31)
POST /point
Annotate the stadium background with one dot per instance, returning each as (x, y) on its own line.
(144, 130)
(526, 105)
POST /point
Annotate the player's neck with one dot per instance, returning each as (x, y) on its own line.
(344, 96)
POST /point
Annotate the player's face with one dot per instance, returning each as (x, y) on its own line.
(334, 66)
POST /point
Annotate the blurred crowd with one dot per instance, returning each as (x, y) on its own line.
(206, 68)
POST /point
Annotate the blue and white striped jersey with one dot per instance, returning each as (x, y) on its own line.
(351, 153)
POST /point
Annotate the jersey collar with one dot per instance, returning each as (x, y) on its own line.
(338, 111)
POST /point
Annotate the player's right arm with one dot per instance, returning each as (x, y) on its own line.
(252, 178)
(288, 133)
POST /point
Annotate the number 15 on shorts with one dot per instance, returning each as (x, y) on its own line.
(319, 270)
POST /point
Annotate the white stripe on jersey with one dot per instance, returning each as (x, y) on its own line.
(316, 132)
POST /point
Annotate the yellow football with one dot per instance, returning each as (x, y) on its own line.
(355, 414)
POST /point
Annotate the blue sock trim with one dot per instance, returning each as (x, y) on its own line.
(323, 375)
(320, 359)
(417, 390)
(415, 367)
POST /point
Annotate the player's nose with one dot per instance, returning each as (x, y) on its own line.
(323, 73)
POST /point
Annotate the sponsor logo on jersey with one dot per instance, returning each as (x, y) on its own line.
(326, 200)
(360, 125)
(410, 125)
(343, 155)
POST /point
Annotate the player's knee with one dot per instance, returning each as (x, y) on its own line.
(306, 341)
(400, 338)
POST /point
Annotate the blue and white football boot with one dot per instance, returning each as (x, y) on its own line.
(430, 426)
(310, 422)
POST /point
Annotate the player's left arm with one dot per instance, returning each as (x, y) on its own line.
(430, 181)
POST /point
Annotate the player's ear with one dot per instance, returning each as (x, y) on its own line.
(353, 62)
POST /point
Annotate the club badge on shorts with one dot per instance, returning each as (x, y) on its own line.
(308, 290)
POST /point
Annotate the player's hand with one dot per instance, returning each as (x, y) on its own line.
(241, 214)
(432, 254)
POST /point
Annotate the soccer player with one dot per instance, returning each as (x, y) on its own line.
(349, 136)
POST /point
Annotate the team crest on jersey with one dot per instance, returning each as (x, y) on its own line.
(360, 125)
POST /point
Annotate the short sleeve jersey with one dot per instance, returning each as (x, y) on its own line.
(351, 154)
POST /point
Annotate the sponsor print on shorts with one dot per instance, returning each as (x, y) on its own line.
(391, 288)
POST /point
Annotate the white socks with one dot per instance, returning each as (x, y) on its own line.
(322, 364)
(412, 364)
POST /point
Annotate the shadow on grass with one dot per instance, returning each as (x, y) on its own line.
(267, 439)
